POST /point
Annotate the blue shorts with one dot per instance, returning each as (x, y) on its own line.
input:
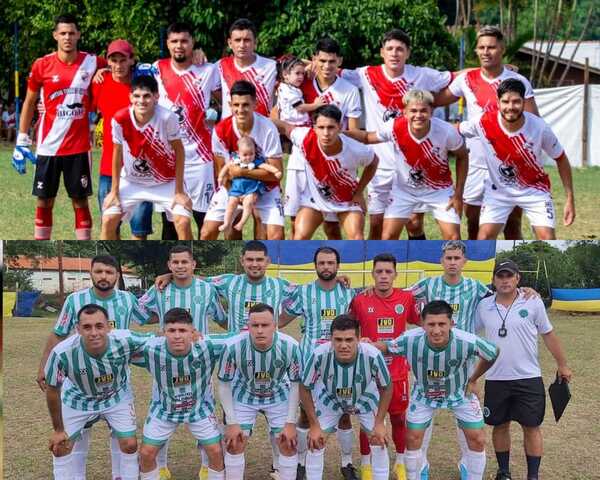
(141, 220)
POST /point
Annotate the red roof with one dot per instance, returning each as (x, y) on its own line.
(70, 264)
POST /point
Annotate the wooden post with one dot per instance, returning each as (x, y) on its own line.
(586, 106)
(61, 284)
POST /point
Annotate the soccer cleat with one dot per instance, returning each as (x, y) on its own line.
(274, 473)
(203, 473)
(425, 472)
(164, 474)
(366, 472)
(462, 469)
(502, 475)
(349, 472)
(301, 472)
(400, 471)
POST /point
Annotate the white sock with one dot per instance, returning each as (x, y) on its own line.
(63, 467)
(214, 475)
(365, 459)
(234, 466)
(302, 434)
(381, 462)
(115, 456)
(161, 457)
(425, 445)
(153, 475)
(315, 461)
(399, 458)
(345, 439)
(81, 447)
(274, 450)
(204, 457)
(462, 443)
(288, 466)
(413, 463)
(130, 468)
(475, 465)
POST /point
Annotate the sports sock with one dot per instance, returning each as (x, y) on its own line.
(381, 462)
(288, 466)
(153, 475)
(418, 237)
(214, 475)
(533, 467)
(83, 223)
(81, 447)
(302, 434)
(274, 450)
(43, 223)
(363, 441)
(234, 466)
(115, 457)
(315, 461)
(62, 467)
(400, 458)
(503, 459)
(462, 443)
(161, 457)
(399, 432)
(365, 459)
(203, 457)
(425, 445)
(475, 463)
(129, 466)
(345, 438)
(413, 463)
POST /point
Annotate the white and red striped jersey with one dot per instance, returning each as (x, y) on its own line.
(64, 126)
(187, 94)
(424, 163)
(480, 94)
(225, 138)
(514, 159)
(335, 176)
(148, 158)
(262, 74)
(383, 97)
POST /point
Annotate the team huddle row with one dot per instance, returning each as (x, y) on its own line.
(159, 148)
(353, 359)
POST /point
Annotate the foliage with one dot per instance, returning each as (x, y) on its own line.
(13, 277)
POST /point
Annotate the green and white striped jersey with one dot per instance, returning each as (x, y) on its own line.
(462, 297)
(241, 295)
(122, 308)
(95, 383)
(184, 382)
(318, 308)
(347, 387)
(200, 299)
(441, 374)
(260, 377)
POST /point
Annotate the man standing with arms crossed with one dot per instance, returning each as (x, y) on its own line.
(383, 315)
(63, 140)
(514, 390)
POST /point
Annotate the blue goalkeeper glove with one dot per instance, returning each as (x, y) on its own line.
(22, 153)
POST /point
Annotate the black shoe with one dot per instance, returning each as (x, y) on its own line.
(502, 475)
(301, 472)
(349, 473)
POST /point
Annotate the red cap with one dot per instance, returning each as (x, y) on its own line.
(120, 46)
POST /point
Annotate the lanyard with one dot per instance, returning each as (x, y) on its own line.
(502, 330)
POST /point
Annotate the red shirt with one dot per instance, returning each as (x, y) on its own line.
(108, 98)
(386, 319)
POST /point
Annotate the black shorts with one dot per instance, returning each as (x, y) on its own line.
(75, 170)
(523, 401)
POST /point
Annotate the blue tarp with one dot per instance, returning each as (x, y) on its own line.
(25, 302)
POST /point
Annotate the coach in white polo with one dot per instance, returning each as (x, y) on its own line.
(514, 389)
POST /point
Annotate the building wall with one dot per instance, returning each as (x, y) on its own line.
(47, 282)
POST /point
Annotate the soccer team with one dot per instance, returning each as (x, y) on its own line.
(354, 359)
(159, 150)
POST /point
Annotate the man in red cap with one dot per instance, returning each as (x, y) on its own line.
(109, 96)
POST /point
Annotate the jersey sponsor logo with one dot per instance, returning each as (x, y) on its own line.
(104, 379)
(248, 304)
(344, 392)
(385, 325)
(328, 313)
(262, 376)
(182, 380)
(455, 307)
(436, 374)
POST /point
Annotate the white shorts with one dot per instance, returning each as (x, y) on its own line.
(404, 202)
(199, 183)
(276, 415)
(468, 414)
(295, 184)
(329, 418)
(378, 191)
(120, 418)
(539, 208)
(132, 194)
(477, 178)
(311, 198)
(269, 206)
(158, 431)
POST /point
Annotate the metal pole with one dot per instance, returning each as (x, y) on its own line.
(586, 106)
(17, 98)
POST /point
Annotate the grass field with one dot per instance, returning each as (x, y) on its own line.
(571, 447)
(18, 207)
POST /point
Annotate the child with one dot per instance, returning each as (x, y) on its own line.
(244, 190)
